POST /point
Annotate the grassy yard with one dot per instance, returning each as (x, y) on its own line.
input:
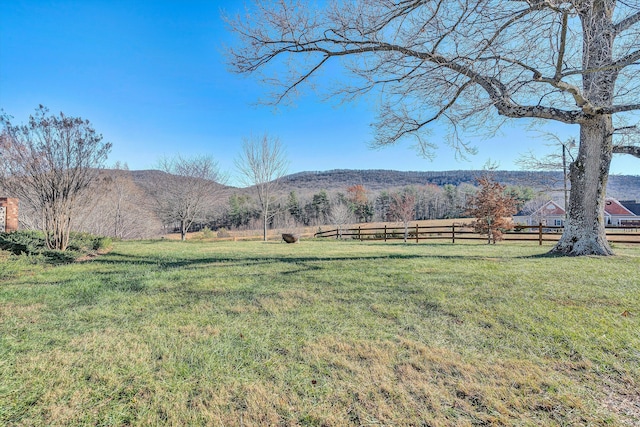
(321, 333)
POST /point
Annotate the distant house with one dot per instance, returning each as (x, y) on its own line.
(616, 214)
(551, 213)
(632, 205)
(537, 212)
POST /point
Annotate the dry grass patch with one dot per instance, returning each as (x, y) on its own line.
(321, 334)
(408, 383)
(12, 312)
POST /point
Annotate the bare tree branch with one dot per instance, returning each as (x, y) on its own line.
(626, 23)
(469, 65)
(627, 149)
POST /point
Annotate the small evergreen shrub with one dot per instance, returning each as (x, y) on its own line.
(26, 242)
(32, 243)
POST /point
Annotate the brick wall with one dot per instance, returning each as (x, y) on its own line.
(11, 212)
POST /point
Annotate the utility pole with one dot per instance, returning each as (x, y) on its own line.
(565, 176)
(564, 179)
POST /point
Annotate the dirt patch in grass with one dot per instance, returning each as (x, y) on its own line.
(625, 404)
(93, 255)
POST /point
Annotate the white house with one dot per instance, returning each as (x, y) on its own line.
(616, 214)
(536, 212)
(551, 213)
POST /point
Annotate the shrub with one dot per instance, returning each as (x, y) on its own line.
(223, 232)
(102, 243)
(26, 242)
(207, 233)
(32, 243)
(87, 243)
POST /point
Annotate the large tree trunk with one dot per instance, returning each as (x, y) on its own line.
(584, 232)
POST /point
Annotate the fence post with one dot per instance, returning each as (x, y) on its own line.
(359, 234)
(539, 234)
(385, 232)
(453, 233)
(417, 240)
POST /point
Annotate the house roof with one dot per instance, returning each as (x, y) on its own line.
(615, 208)
(551, 208)
(632, 205)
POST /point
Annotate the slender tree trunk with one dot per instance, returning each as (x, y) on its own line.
(584, 232)
(183, 232)
(264, 226)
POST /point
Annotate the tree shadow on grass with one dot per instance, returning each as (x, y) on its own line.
(115, 258)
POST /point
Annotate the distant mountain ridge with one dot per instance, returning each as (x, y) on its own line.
(380, 179)
(619, 186)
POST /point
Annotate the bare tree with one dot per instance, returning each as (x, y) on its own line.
(341, 215)
(403, 208)
(119, 207)
(570, 61)
(262, 163)
(49, 163)
(188, 192)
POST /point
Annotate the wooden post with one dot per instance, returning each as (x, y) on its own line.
(385, 232)
(453, 233)
(417, 240)
(359, 234)
(540, 234)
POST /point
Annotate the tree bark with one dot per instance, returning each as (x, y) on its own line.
(584, 231)
(265, 219)
(183, 231)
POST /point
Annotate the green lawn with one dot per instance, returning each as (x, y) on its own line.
(321, 333)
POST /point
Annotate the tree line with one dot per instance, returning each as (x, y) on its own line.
(55, 165)
(356, 204)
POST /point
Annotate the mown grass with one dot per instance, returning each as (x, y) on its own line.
(321, 333)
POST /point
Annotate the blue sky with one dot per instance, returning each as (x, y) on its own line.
(151, 77)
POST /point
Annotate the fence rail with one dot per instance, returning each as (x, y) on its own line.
(534, 233)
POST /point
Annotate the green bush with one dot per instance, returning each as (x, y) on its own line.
(102, 243)
(207, 233)
(32, 243)
(87, 243)
(26, 242)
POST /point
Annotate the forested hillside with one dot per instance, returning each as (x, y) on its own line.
(620, 186)
(131, 204)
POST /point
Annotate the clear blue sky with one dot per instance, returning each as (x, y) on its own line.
(151, 77)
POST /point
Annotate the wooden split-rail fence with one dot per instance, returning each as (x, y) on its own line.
(457, 232)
